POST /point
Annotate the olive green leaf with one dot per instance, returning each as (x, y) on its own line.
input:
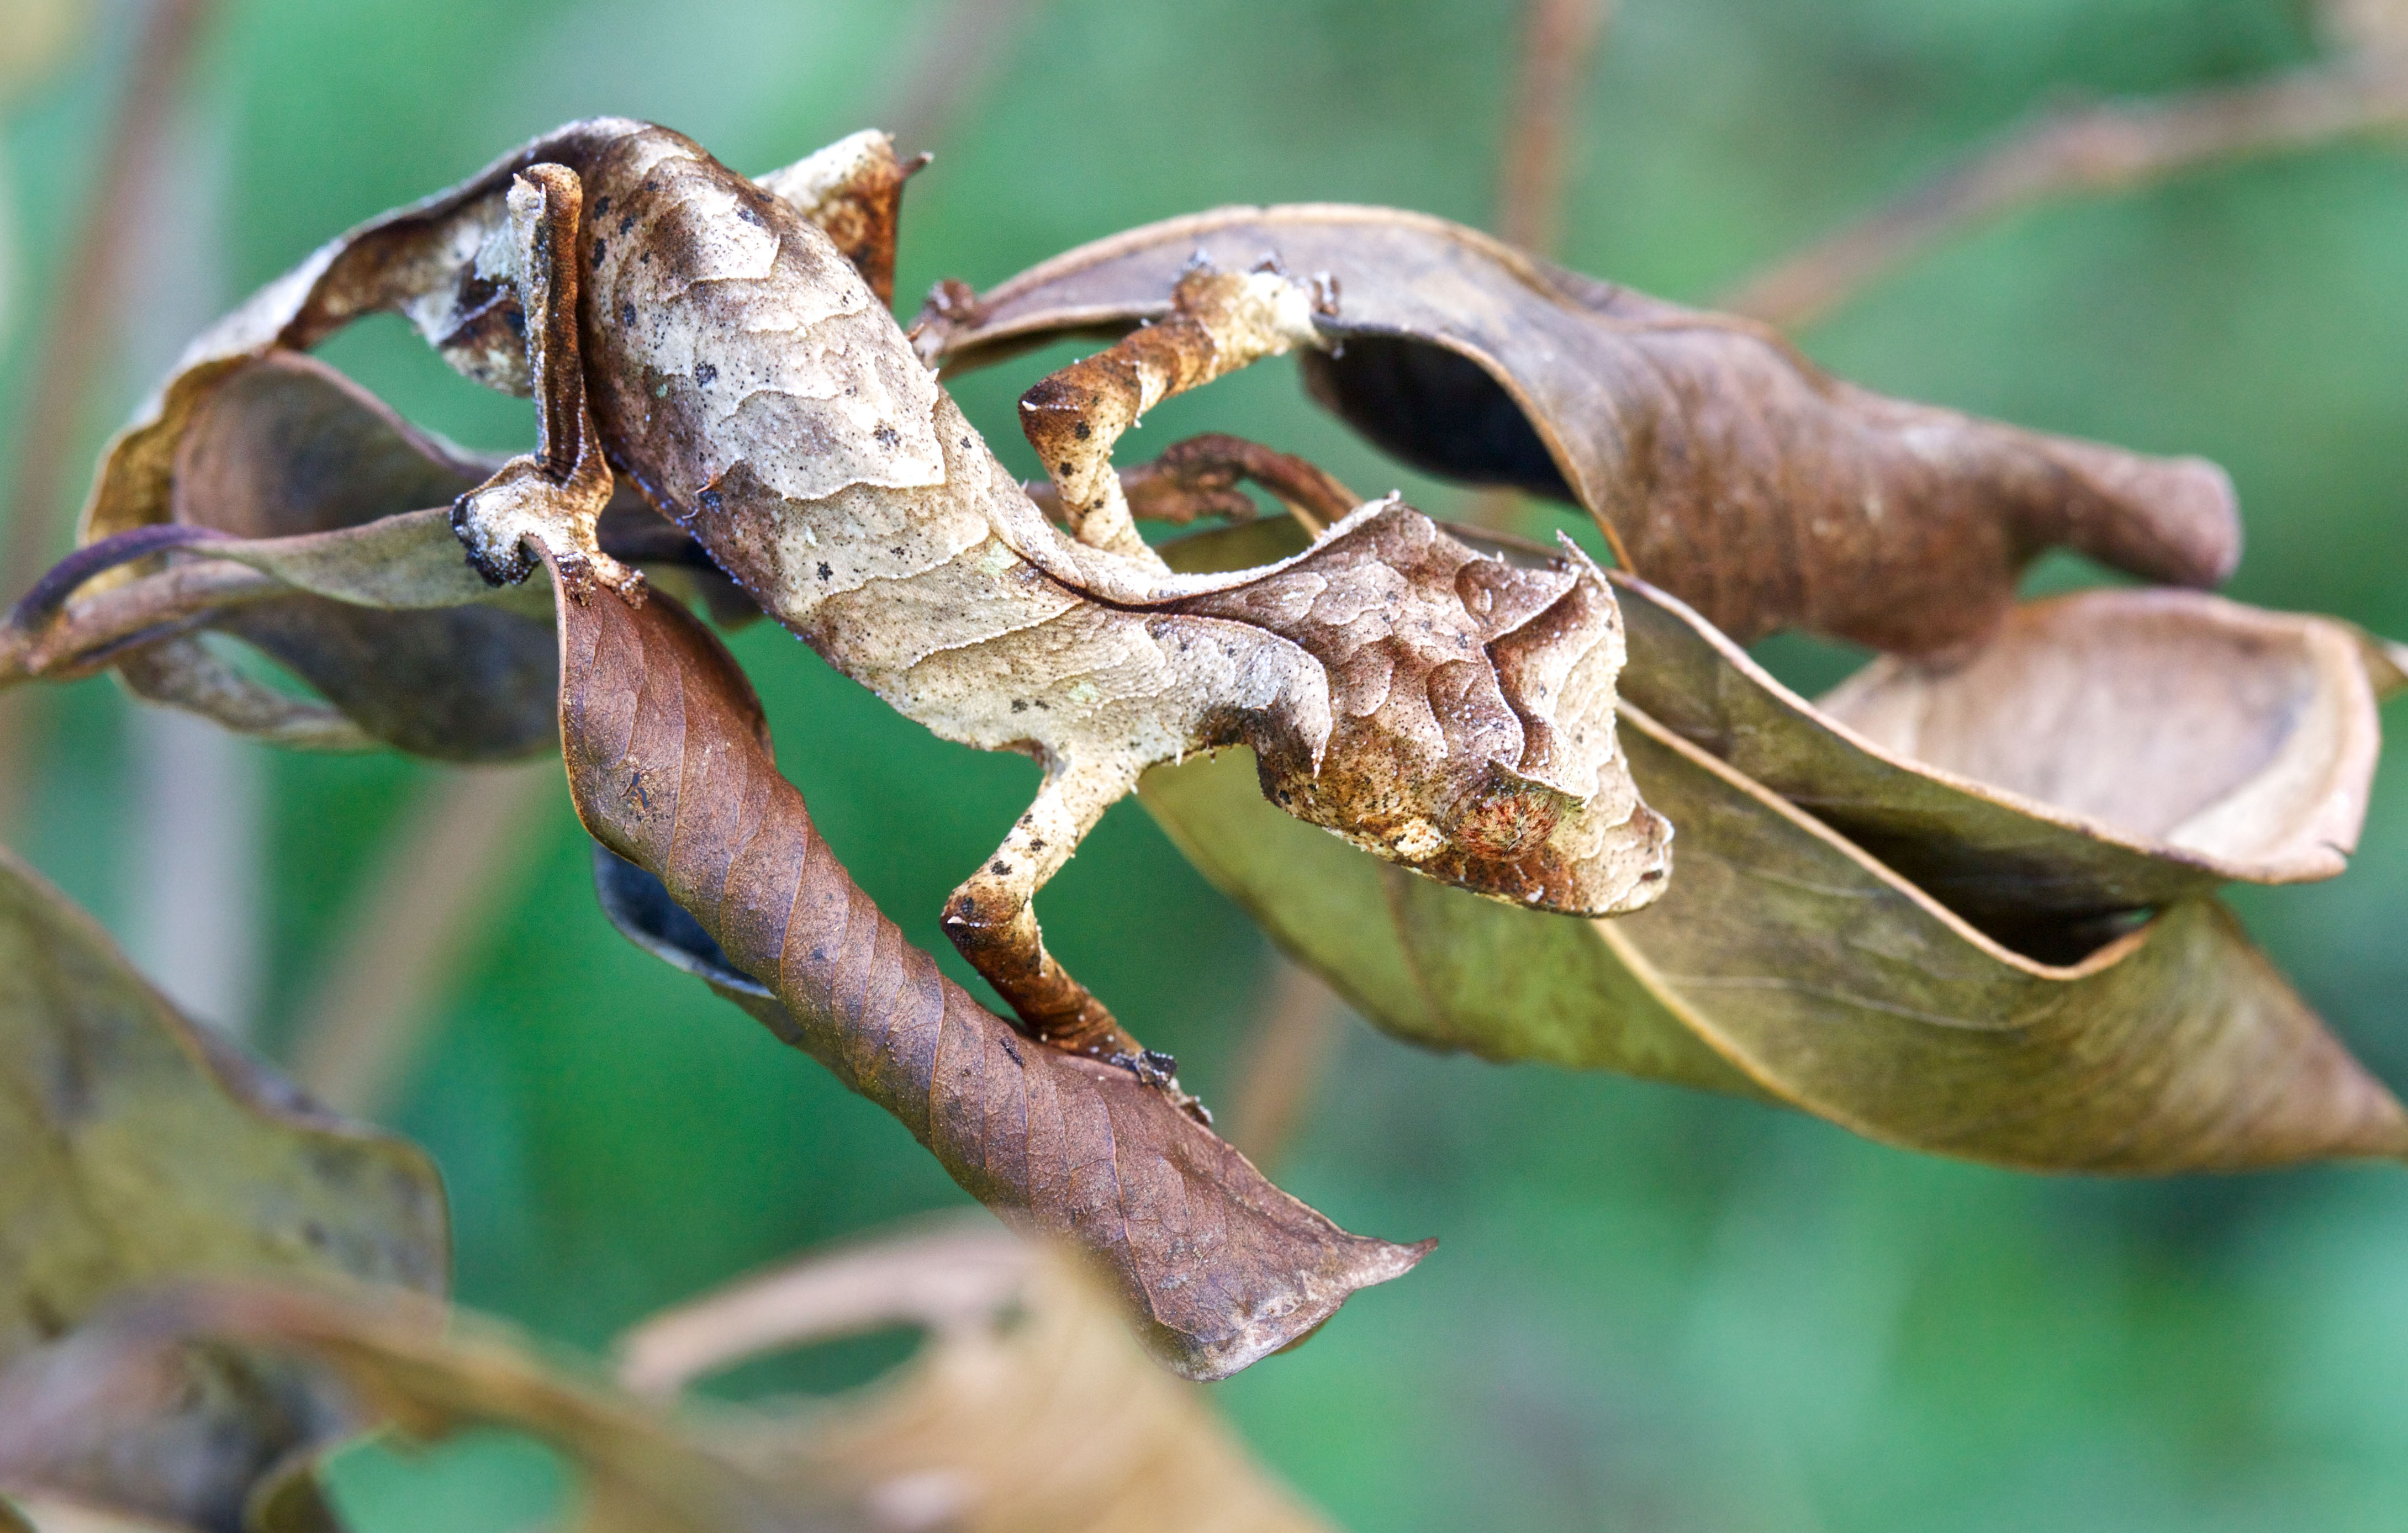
(1827, 980)
(1788, 959)
(136, 1149)
(429, 1371)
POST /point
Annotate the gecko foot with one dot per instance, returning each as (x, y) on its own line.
(1161, 1071)
(523, 508)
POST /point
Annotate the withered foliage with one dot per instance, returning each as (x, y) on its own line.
(1029, 1410)
(707, 339)
(1966, 903)
(1723, 465)
(136, 1148)
(668, 759)
(289, 485)
(427, 1373)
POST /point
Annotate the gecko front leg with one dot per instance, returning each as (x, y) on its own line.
(1219, 321)
(991, 919)
(1198, 478)
(550, 499)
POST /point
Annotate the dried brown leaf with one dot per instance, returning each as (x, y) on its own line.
(286, 449)
(2107, 752)
(297, 528)
(136, 1149)
(706, 338)
(430, 1372)
(294, 497)
(1728, 469)
(1790, 962)
(1828, 981)
(853, 190)
(669, 763)
(2180, 725)
(1029, 1410)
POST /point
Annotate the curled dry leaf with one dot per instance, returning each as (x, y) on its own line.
(297, 527)
(669, 763)
(377, 611)
(136, 1149)
(429, 1371)
(853, 190)
(2237, 742)
(1029, 1410)
(1791, 962)
(2104, 752)
(1724, 466)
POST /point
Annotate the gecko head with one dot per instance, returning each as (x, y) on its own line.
(1510, 782)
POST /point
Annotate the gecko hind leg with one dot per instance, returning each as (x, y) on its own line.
(1219, 321)
(992, 919)
(549, 499)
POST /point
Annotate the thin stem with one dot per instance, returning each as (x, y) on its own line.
(442, 874)
(79, 342)
(2108, 146)
(1559, 38)
(967, 41)
(1288, 1049)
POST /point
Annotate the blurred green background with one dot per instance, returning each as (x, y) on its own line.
(1652, 1310)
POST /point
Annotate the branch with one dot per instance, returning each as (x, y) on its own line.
(2109, 147)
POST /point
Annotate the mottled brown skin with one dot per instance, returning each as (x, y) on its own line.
(686, 331)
